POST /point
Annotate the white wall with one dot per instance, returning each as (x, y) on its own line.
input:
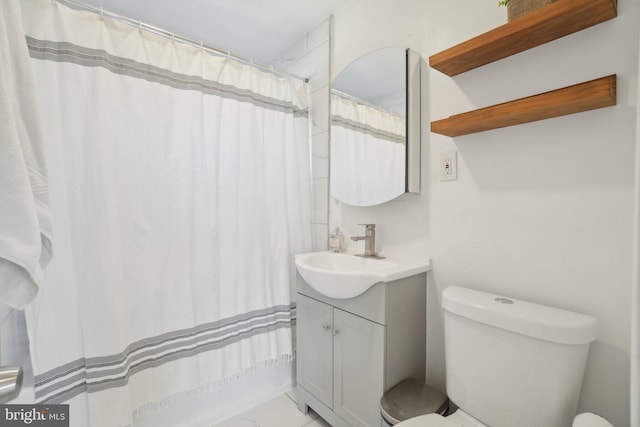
(541, 211)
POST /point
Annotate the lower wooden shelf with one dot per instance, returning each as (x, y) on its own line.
(585, 96)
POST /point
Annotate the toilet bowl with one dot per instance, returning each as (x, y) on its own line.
(461, 419)
(512, 363)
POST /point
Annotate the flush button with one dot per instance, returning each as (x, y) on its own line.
(504, 300)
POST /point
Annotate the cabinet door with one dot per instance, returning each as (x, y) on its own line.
(358, 369)
(315, 348)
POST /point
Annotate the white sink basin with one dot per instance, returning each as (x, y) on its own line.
(344, 275)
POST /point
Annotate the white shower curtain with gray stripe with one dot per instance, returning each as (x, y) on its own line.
(368, 156)
(180, 193)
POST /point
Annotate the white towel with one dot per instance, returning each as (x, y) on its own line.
(25, 216)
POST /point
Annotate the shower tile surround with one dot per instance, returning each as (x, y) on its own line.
(310, 57)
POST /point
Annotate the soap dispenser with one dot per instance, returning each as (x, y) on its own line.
(336, 240)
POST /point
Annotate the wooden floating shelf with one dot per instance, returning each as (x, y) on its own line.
(535, 28)
(585, 96)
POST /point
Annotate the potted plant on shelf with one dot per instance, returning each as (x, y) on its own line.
(517, 8)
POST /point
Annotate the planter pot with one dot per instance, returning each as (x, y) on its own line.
(517, 8)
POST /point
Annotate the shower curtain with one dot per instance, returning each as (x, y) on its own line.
(180, 193)
(368, 155)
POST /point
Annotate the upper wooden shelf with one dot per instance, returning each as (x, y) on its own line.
(585, 96)
(541, 26)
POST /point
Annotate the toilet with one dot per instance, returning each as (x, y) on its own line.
(512, 363)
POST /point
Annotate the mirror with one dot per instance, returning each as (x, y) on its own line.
(375, 128)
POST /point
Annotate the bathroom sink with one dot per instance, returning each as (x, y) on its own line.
(344, 275)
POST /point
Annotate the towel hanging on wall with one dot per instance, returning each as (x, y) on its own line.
(25, 217)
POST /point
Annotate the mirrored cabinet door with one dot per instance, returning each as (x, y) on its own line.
(375, 128)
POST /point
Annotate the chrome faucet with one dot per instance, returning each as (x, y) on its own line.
(369, 241)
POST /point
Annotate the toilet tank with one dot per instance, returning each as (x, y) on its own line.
(514, 363)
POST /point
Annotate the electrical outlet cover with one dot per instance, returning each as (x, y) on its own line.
(448, 167)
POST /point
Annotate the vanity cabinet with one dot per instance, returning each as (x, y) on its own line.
(340, 359)
(349, 352)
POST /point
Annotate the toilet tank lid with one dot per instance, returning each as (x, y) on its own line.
(522, 317)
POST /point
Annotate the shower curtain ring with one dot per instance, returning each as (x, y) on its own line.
(101, 12)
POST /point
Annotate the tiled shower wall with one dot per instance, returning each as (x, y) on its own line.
(310, 57)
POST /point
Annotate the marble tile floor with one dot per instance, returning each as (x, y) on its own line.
(280, 411)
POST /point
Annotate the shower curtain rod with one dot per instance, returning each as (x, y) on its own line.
(182, 39)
